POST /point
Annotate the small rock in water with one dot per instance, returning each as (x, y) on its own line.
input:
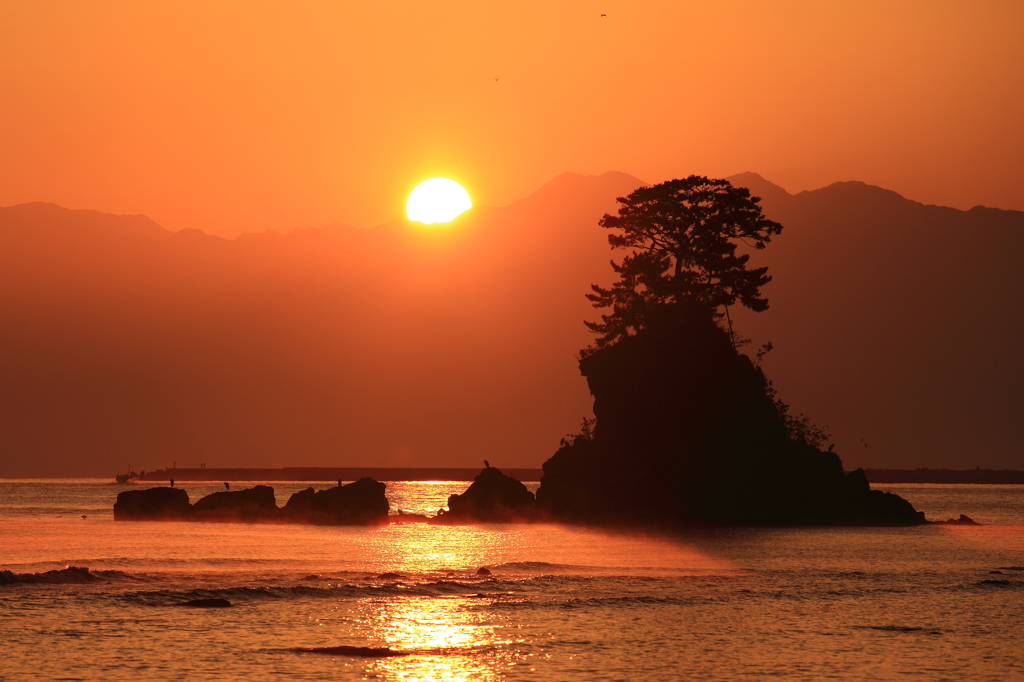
(390, 576)
(483, 571)
(964, 520)
(995, 572)
(205, 603)
(890, 628)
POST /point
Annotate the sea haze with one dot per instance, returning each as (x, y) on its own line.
(565, 603)
(894, 324)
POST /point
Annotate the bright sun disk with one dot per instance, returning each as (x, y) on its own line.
(438, 200)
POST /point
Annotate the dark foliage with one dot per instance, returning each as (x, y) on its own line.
(682, 236)
(585, 435)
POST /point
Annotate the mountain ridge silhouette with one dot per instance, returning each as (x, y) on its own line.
(398, 345)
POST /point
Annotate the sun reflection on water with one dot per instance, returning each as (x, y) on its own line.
(454, 636)
(448, 640)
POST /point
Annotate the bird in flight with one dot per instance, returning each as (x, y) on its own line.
(604, 15)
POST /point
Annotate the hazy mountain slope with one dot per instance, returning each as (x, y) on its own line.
(39, 220)
(397, 345)
(897, 323)
(893, 321)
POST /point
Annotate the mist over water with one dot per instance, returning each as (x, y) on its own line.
(561, 602)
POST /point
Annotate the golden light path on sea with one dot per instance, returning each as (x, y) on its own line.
(451, 639)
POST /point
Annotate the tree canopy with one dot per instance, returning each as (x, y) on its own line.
(682, 236)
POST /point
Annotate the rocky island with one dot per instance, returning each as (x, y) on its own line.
(492, 497)
(686, 432)
(687, 429)
(360, 503)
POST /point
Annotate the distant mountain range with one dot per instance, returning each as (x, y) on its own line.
(895, 323)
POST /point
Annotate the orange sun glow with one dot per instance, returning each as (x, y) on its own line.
(438, 200)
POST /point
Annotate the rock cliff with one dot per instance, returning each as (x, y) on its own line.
(687, 433)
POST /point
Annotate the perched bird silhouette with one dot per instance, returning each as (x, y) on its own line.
(487, 464)
(227, 486)
(172, 482)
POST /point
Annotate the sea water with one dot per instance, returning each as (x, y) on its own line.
(560, 603)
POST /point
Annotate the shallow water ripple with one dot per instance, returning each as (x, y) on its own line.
(930, 603)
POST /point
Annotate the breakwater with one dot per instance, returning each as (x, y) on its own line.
(324, 474)
(973, 476)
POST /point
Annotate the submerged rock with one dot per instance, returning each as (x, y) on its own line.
(687, 433)
(152, 504)
(357, 651)
(402, 517)
(492, 497)
(363, 502)
(964, 520)
(249, 504)
(205, 603)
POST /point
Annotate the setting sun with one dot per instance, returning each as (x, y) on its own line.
(438, 200)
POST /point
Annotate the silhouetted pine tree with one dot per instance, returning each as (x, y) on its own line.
(682, 236)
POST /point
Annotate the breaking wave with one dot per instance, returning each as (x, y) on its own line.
(252, 595)
(72, 575)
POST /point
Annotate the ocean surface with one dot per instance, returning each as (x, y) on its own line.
(561, 603)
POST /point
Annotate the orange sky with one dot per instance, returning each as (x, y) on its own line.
(248, 116)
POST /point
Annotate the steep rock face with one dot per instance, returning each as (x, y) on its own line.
(492, 497)
(687, 434)
(249, 504)
(360, 503)
(163, 504)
